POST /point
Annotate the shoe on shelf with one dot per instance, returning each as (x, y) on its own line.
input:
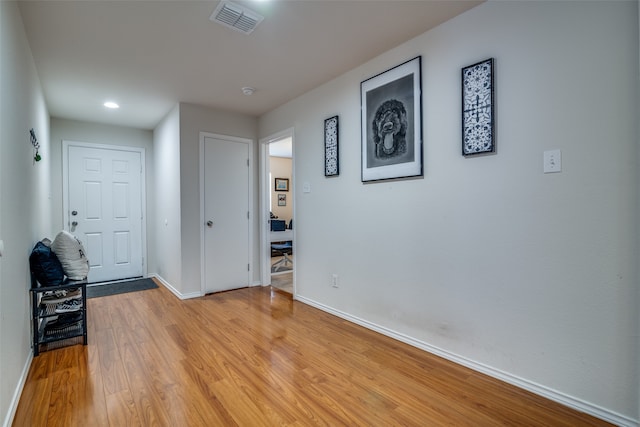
(56, 297)
(57, 294)
(63, 321)
(69, 306)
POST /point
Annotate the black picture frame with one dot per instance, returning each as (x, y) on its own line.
(391, 123)
(331, 146)
(281, 184)
(282, 200)
(478, 109)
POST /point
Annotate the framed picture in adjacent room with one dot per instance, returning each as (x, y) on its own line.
(282, 200)
(331, 148)
(478, 109)
(391, 108)
(282, 184)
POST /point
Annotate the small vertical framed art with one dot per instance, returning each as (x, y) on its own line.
(331, 147)
(478, 109)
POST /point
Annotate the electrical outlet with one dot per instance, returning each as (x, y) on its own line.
(334, 280)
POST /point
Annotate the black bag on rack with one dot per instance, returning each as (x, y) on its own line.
(45, 266)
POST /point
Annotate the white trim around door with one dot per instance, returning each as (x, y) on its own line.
(66, 214)
(265, 195)
(203, 220)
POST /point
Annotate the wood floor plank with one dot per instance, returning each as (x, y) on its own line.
(94, 400)
(33, 408)
(254, 357)
(113, 374)
(204, 404)
(147, 398)
(122, 410)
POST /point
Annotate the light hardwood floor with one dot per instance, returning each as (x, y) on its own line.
(255, 357)
(283, 281)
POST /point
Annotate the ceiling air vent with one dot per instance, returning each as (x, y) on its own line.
(234, 16)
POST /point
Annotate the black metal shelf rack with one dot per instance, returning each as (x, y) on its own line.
(42, 314)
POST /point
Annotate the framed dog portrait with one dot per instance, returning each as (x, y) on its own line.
(391, 108)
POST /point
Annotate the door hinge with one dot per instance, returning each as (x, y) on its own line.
(248, 267)
(248, 215)
(247, 162)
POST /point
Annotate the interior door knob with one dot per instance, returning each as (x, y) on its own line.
(209, 223)
(74, 213)
(74, 223)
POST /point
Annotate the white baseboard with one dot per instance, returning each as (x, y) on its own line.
(189, 295)
(562, 398)
(174, 290)
(13, 407)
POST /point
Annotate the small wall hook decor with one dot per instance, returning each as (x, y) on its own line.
(36, 145)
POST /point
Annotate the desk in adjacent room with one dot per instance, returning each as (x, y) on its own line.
(281, 236)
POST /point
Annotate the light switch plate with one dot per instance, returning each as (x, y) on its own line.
(552, 161)
(306, 187)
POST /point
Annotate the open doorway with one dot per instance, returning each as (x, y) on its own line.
(278, 258)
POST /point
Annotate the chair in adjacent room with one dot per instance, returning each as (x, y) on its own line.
(284, 250)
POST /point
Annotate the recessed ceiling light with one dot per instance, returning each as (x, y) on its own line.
(110, 104)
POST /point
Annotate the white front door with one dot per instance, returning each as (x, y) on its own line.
(226, 214)
(104, 208)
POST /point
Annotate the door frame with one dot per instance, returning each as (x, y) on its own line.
(250, 221)
(265, 194)
(66, 221)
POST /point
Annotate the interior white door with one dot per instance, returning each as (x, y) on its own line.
(226, 214)
(105, 209)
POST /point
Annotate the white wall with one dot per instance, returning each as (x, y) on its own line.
(193, 120)
(166, 141)
(487, 260)
(96, 133)
(25, 198)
